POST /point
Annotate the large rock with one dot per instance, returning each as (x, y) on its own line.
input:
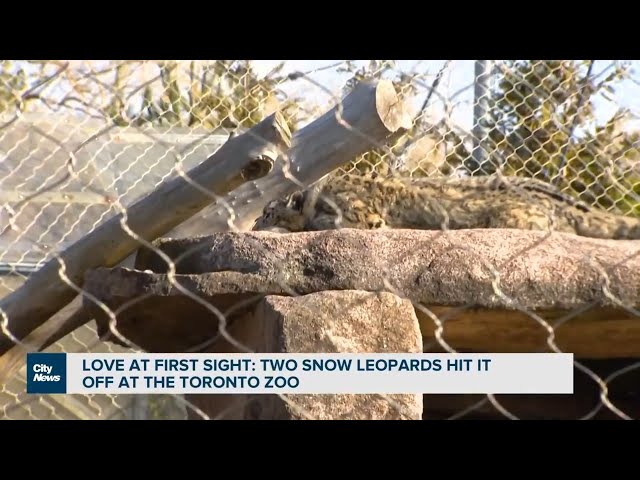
(324, 322)
(477, 290)
(536, 269)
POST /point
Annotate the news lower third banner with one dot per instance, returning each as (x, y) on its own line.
(324, 373)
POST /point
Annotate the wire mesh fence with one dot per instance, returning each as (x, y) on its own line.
(82, 141)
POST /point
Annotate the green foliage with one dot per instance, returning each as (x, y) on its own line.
(23, 83)
(224, 94)
(117, 106)
(219, 94)
(12, 83)
(163, 407)
(542, 124)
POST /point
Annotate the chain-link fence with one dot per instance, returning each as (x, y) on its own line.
(82, 141)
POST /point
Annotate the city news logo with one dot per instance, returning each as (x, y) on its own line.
(46, 373)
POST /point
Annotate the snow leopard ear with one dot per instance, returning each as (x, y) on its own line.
(296, 201)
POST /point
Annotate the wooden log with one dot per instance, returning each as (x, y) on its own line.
(597, 333)
(371, 113)
(241, 159)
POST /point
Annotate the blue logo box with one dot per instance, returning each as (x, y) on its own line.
(46, 373)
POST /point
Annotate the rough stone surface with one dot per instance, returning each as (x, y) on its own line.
(494, 286)
(339, 322)
(536, 269)
(331, 322)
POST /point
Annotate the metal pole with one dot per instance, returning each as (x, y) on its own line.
(481, 158)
